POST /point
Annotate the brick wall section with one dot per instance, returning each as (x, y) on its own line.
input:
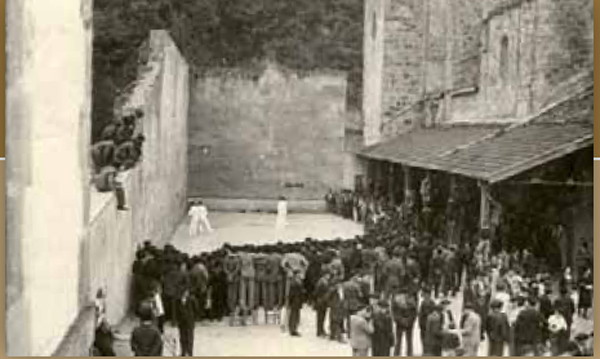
(260, 134)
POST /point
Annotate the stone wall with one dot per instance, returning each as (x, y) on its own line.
(403, 54)
(262, 137)
(466, 51)
(48, 109)
(65, 240)
(394, 65)
(155, 189)
(457, 46)
(162, 92)
(549, 43)
(373, 49)
(564, 44)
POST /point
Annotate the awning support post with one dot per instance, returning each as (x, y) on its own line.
(484, 215)
(391, 183)
(407, 184)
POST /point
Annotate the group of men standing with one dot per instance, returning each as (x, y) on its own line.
(374, 289)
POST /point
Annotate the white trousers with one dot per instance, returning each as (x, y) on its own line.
(281, 221)
(198, 225)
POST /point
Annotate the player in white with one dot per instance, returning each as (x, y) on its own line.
(199, 219)
(281, 221)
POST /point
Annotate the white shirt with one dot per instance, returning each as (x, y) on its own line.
(282, 207)
(160, 310)
(505, 299)
(557, 323)
(198, 211)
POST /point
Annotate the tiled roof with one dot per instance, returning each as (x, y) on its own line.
(519, 150)
(425, 147)
(496, 154)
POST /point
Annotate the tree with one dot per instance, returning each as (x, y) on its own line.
(302, 35)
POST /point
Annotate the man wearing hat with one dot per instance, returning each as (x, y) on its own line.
(321, 301)
(232, 268)
(427, 307)
(438, 268)
(362, 330)
(393, 272)
(383, 329)
(497, 329)
(404, 310)
(434, 331)
(528, 327)
(471, 330)
(186, 311)
(566, 306)
(146, 339)
(336, 312)
(585, 344)
(296, 300)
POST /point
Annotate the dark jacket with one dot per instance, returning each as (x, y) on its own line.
(404, 309)
(529, 326)
(261, 263)
(434, 332)
(336, 304)
(321, 293)
(383, 335)
(232, 267)
(296, 295)
(186, 312)
(393, 273)
(273, 269)
(497, 327)
(352, 296)
(546, 306)
(146, 340)
(566, 307)
(427, 307)
(103, 341)
(199, 278)
(174, 283)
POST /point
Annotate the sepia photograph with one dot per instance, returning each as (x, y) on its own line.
(299, 178)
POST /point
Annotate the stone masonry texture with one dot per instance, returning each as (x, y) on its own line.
(549, 44)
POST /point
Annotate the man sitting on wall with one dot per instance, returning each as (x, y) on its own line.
(109, 179)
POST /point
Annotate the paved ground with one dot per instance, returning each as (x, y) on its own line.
(259, 228)
(219, 339)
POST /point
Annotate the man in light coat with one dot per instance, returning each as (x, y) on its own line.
(471, 330)
(362, 330)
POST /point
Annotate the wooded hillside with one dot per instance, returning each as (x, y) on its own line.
(302, 35)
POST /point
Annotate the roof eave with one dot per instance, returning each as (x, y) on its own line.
(523, 166)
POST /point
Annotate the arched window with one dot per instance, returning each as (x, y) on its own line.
(504, 67)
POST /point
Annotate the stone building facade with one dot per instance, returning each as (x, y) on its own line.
(449, 61)
(495, 79)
